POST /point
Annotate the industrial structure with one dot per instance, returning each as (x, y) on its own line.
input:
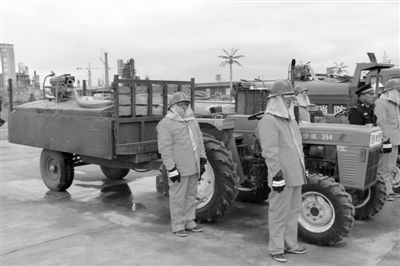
(7, 64)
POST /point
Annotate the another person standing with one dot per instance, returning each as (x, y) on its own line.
(282, 149)
(388, 118)
(303, 102)
(363, 112)
(180, 143)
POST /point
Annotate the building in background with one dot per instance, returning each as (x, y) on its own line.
(35, 81)
(127, 70)
(7, 65)
(22, 76)
(120, 67)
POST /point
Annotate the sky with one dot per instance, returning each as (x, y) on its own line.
(179, 40)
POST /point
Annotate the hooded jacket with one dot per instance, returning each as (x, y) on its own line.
(303, 102)
(281, 143)
(180, 143)
(388, 118)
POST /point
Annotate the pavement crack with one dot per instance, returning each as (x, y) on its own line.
(54, 239)
(382, 260)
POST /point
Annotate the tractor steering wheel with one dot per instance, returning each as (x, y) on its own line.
(256, 116)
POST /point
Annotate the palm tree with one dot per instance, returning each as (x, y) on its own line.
(340, 68)
(230, 58)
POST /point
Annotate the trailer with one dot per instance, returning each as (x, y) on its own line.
(119, 135)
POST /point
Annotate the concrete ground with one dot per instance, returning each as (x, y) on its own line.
(103, 222)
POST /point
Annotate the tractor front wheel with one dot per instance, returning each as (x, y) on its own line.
(327, 214)
(370, 201)
(56, 169)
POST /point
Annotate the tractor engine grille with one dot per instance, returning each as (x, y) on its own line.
(372, 166)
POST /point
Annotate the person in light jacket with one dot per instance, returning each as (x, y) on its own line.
(282, 149)
(388, 118)
(180, 143)
(303, 102)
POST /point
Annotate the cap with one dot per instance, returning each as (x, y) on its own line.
(365, 89)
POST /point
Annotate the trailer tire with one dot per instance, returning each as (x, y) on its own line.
(218, 186)
(56, 169)
(370, 201)
(327, 213)
(114, 173)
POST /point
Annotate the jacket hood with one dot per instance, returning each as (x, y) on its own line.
(174, 115)
(303, 100)
(277, 107)
(392, 96)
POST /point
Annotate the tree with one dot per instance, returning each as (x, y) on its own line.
(230, 58)
(340, 68)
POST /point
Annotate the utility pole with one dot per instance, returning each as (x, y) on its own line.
(89, 69)
(105, 62)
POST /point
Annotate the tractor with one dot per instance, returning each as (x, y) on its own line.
(341, 163)
(74, 129)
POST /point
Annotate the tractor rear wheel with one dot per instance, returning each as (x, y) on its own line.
(217, 188)
(56, 169)
(114, 173)
(327, 214)
(370, 201)
(162, 181)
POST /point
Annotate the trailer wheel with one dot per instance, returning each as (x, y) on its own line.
(114, 173)
(217, 188)
(327, 213)
(370, 201)
(56, 169)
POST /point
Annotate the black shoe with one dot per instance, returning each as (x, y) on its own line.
(279, 257)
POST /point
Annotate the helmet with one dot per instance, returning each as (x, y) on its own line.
(392, 84)
(178, 97)
(281, 87)
(300, 89)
